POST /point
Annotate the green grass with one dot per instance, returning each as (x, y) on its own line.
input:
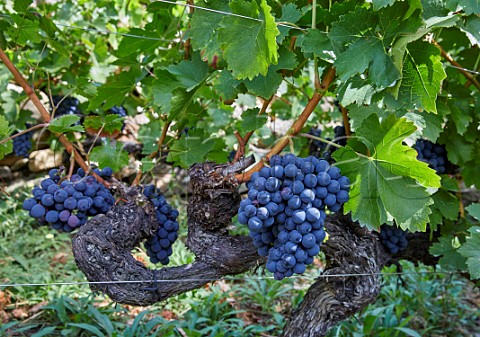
(252, 304)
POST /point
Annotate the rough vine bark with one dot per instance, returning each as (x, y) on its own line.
(102, 250)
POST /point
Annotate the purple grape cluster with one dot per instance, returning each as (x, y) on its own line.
(340, 138)
(118, 110)
(22, 144)
(285, 210)
(159, 247)
(65, 106)
(66, 204)
(316, 147)
(432, 154)
(394, 239)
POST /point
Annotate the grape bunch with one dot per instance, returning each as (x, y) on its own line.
(64, 203)
(432, 154)
(118, 110)
(22, 144)
(339, 138)
(394, 239)
(159, 247)
(65, 105)
(316, 147)
(285, 210)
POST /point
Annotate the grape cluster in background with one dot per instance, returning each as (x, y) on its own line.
(65, 204)
(22, 144)
(285, 210)
(159, 247)
(320, 149)
(394, 239)
(65, 105)
(434, 155)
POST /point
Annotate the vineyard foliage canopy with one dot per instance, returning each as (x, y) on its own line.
(201, 73)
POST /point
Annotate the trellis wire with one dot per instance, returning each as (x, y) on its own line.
(218, 279)
(226, 13)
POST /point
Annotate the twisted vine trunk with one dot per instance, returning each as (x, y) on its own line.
(102, 250)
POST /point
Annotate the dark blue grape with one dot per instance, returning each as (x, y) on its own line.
(29, 203)
(37, 211)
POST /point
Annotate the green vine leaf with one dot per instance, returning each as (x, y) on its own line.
(448, 248)
(320, 44)
(249, 46)
(7, 147)
(389, 183)
(191, 149)
(422, 75)
(190, 74)
(204, 29)
(114, 92)
(266, 86)
(290, 14)
(66, 123)
(110, 125)
(108, 155)
(471, 252)
(474, 210)
(251, 120)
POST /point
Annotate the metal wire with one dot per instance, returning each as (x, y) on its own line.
(219, 279)
(464, 69)
(115, 33)
(226, 13)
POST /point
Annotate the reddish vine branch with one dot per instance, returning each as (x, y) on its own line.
(461, 69)
(44, 113)
(346, 122)
(38, 126)
(295, 128)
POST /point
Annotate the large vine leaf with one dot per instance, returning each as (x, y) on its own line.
(249, 45)
(389, 183)
(471, 252)
(422, 76)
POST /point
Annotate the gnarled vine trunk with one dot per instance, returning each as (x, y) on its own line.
(102, 250)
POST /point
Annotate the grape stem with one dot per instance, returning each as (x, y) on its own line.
(346, 122)
(457, 65)
(38, 126)
(45, 115)
(294, 129)
(242, 141)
